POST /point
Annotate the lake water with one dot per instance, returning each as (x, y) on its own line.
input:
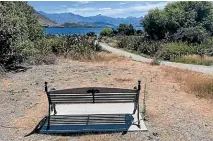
(54, 31)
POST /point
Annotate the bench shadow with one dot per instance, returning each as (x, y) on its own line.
(78, 125)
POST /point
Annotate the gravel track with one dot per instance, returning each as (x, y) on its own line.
(197, 68)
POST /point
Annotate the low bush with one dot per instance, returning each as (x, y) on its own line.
(173, 51)
(106, 32)
(42, 53)
(178, 49)
(208, 47)
(126, 29)
(139, 44)
(150, 47)
(42, 60)
(76, 46)
(196, 34)
(92, 34)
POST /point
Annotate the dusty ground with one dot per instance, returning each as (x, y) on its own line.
(172, 113)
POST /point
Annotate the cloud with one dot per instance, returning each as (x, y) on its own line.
(133, 10)
(79, 10)
(122, 3)
(84, 2)
(105, 9)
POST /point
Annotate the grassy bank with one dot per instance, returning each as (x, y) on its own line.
(182, 52)
(195, 59)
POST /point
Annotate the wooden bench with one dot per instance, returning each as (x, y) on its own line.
(91, 95)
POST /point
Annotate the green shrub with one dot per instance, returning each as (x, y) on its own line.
(149, 47)
(208, 47)
(139, 44)
(126, 29)
(19, 30)
(196, 34)
(92, 34)
(75, 46)
(189, 20)
(178, 49)
(42, 53)
(106, 32)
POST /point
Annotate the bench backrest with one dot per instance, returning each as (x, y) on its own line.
(92, 95)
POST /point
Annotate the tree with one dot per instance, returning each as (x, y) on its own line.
(126, 29)
(180, 16)
(19, 29)
(154, 24)
(106, 32)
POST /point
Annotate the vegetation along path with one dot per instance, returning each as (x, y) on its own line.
(198, 68)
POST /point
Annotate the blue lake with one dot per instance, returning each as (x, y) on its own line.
(54, 31)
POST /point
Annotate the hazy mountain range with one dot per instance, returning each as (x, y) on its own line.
(44, 21)
(99, 20)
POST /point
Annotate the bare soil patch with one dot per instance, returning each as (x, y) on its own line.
(173, 112)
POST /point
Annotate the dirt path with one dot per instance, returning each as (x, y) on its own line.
(173, 114)
(197, 68)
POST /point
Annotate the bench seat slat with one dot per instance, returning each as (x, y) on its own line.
(76, 102)
(89, 99)
(86, 98)
(80, 119)
(85, 89)
(96, 94)
(83, 119)
(92, 115)
(91, 119)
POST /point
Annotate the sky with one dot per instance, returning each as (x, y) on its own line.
(91, 8)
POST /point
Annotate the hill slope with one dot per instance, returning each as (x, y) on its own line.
(44, 21)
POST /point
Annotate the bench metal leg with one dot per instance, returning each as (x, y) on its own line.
(55, 112)
(48, 119)
(48, 123)
(135, 108)
(139, 125)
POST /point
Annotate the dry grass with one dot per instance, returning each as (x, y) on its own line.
(195, 59)
(101, 57)
(198, 83)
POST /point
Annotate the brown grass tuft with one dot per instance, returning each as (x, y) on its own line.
(198, 83)
(195, 59)
(102, 57)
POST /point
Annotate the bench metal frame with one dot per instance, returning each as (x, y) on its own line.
(92, 95)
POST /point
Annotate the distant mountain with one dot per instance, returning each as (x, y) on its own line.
(44, 21)
(85, 25)
(98, 19)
